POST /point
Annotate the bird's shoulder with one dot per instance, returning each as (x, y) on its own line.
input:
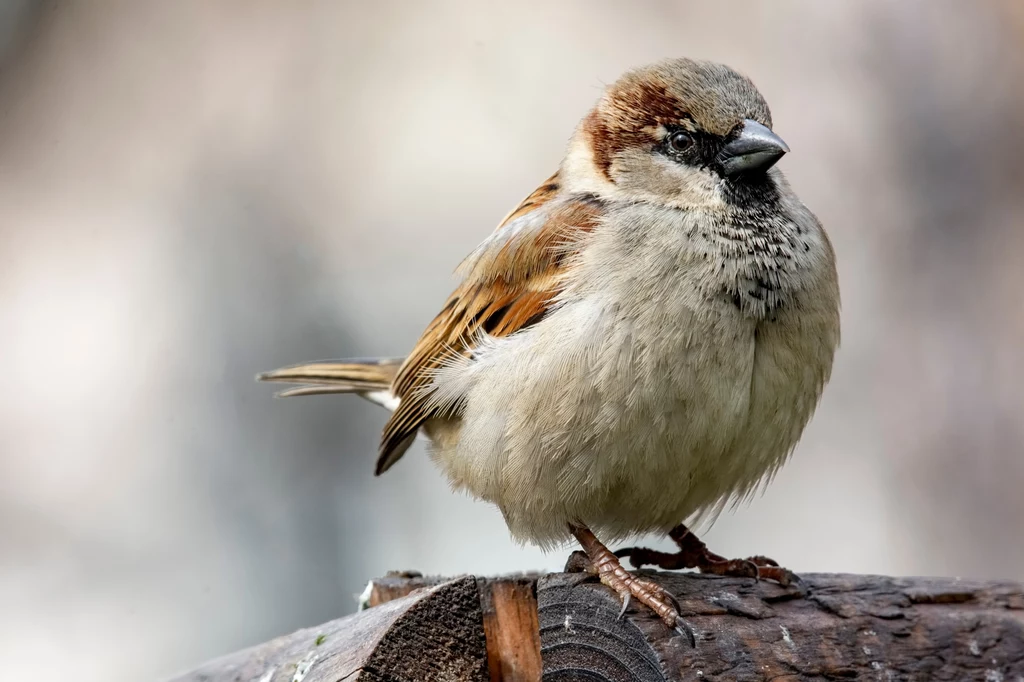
(508, 284)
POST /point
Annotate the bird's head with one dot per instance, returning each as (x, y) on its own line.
(681, 132)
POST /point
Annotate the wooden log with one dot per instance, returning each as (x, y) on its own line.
(566, 626)
(509, 607)
(831, 627)
(434, 633)
(834, 627)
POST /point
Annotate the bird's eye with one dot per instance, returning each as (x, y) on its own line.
(679, 141)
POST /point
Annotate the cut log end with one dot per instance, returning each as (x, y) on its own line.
(432, 633)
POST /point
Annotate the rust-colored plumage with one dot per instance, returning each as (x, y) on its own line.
(509, 284)
(629, 118)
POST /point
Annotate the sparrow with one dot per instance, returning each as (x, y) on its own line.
(639, 343)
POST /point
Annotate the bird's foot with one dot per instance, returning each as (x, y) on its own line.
(695, 554)
(611, 573)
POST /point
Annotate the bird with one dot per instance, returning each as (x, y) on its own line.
(640, 343)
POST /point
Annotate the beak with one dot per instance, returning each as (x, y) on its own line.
(755, 150)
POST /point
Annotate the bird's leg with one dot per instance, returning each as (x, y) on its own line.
(608, 568)
(695, 554)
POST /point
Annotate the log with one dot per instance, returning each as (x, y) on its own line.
(429, 634)
(509, 609)
(566, 626)
(836, 627)
(830, 627)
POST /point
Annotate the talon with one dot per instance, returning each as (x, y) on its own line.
(626, 597)
(756, 569)
(684, 629)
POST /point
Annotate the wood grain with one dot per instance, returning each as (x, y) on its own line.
(834, 627)
(566, 626)
(512, 629)
(431, 634)
(509, 606)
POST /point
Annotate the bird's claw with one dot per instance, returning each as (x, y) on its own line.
(626, 598)
(694, 554)
(680, 626)
(611, 573)
(683, 629)
(782, 576)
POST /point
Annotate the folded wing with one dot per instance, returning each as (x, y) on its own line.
(509, 283)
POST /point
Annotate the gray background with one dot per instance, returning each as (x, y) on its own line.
(194, 191)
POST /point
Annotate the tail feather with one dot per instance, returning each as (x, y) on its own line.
(369, 378)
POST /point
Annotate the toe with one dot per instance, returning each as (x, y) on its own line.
(783, 576)
(763, 561)
(638, 556)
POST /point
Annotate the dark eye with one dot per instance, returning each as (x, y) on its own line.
(679, 141)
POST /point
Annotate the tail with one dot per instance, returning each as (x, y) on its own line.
(369, 378)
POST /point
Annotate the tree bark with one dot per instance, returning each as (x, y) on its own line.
(430, 634)
(834, 627)
(565, 626)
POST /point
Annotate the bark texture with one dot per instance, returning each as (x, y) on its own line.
(566, 626)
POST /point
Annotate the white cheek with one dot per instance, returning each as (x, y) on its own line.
(694, 186)
(659, 179)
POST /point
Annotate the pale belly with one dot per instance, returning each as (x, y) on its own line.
(579, 421)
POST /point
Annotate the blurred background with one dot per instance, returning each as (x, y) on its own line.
(194, 191)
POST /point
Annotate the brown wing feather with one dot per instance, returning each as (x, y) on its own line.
(509, 283)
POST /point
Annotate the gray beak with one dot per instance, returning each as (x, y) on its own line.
(755, 150)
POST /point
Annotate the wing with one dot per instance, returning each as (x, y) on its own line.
(508, 284)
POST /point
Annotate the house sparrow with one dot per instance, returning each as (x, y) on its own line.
(640, 342)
